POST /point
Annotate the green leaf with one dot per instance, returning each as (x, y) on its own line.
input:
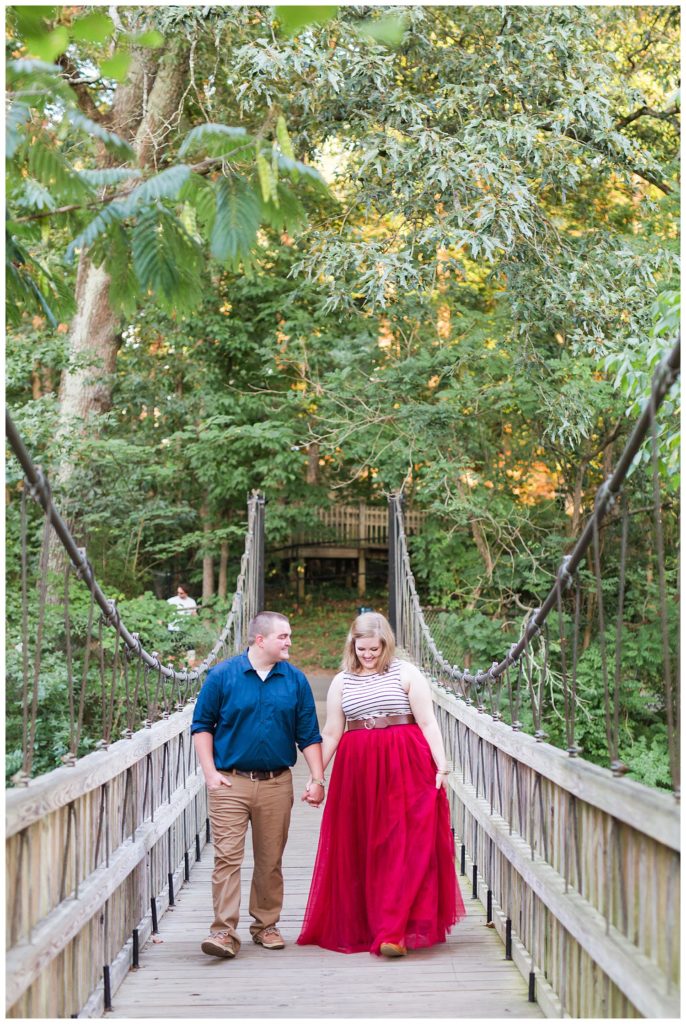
(214, 139)
(27, 282)
(48, 45)
(119, 265)
(50, 167)
(294, 18)
(236, 221)
(30, 19)
(289, 215)
(152, 39)
(167, 260)
(25, 66)
(296, 168)
(116, 66)
(111, 141)
(198, 192)
(92, 28)
(17, 115)
(165, 185)
(35, 196)
(107, 216)
(390, 30)
(108, 176)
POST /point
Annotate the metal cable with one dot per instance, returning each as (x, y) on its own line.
(41, 491)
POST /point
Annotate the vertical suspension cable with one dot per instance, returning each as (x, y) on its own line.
(672, 739)
(620, 627)
(69, 660)
(24, 629)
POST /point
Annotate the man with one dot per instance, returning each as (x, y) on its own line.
(184, 604)
(251, 712)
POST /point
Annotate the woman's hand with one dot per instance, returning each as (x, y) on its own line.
(314, 793)
(442, 777)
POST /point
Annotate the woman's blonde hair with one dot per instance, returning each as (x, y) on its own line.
(369, 625)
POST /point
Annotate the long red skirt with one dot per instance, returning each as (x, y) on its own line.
(385, 867)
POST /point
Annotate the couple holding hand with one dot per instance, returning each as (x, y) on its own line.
(384, 879)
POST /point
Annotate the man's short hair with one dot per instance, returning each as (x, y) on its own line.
(263, 624)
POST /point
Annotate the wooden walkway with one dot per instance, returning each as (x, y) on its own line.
(466, 977)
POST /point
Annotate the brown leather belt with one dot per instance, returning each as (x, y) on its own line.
(257, 776)
(380, 722)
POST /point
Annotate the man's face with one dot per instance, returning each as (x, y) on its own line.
(180, 592)
(275, 645)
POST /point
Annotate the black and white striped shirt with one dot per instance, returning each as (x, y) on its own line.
(374, 695)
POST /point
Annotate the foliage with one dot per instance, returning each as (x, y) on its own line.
(147, 227)
(470, 313)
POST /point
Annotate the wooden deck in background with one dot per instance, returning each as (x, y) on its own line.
(466, 977)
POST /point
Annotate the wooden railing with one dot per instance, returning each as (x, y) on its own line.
(578, 869)
(364, 523)
(94, 854)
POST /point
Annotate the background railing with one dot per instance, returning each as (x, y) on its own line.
(358, 524)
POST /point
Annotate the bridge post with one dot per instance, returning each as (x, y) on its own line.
(392, 557)
(259, 551)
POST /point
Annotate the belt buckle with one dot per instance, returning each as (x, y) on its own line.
(252, 776)
(369, 723)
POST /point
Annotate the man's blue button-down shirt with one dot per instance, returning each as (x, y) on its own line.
(256, 723)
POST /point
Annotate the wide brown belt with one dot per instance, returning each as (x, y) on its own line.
(380, 722)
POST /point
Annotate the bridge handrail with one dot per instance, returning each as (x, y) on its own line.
(46, 793)
(555, 848)
(647, 810)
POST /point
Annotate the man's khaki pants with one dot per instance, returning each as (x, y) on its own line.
(267, 806)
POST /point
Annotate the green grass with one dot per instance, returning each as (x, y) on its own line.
(320, 622)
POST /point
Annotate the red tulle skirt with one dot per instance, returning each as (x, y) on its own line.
(385, 868)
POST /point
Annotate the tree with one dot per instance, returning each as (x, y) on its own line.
(154, 212)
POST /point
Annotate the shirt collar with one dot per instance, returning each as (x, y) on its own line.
(247, 666)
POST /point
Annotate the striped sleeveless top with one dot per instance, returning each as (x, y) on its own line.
(374, 695)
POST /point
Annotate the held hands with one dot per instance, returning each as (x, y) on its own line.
(314, 793)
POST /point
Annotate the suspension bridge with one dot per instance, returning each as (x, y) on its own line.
(574, 867)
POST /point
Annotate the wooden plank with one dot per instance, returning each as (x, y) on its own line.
(647, 810)
(465, 977)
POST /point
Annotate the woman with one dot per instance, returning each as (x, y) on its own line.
(384, 879)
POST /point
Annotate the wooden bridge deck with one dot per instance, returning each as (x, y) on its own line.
(466, 977)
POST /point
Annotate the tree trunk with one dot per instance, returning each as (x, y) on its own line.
(222, 584)
(479, 536)
(207, 559)
(313, 463)
(144, 109)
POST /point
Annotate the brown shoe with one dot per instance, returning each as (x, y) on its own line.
(221, 944)
(270, 938)
(392, 949)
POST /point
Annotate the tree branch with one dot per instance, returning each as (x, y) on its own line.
(203, 167)
(81, 89)
(661, 115)
(584, 140)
